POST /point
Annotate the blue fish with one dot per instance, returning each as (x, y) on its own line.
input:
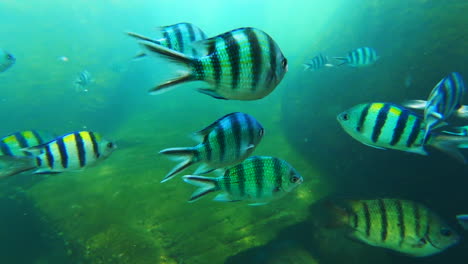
(82, 81)
(360, 57)
(317, 63)
(6, 60)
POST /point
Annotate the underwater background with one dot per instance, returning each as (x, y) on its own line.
(118, 212)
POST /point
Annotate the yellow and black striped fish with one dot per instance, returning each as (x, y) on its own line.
(13, 144)
(401, 225)
(390, 126)
(178, 37)
(241, 64)
(69, 152)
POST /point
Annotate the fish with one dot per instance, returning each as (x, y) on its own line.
(360, 57)
(82, 81)
(404, 226)
(227, 141)
(6, 60)
(13, 144)
(460, 131)
(258, 179)
(70, 152)
(444, 100)
(317, 62)
(241, 64)
(463, 220)
(391, 126)
(178, 37)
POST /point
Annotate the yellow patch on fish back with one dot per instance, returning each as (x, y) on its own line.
(28, 134)
(395, 111)
(69, 139)
(85, 135)
(375, 107)
(10, 139)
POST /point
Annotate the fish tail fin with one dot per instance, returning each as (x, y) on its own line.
(462, 111)
(415, 104)
(450, 144)
(206, 184)
(335, 215)
(176, 57)
(141, 37)
(306, 66)
(10, 165)
(187, 155)
(343, 59)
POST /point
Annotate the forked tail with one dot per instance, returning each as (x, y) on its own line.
(206, 184)
(187, 155)
(450, 144)
(10, 165)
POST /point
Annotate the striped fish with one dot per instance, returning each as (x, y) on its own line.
(390, 126)
(227, 141)
(12, 145)
(178, 37)
(69, 152)
(317, 63)
(6, 60)
(360, 57)
(445, 100)
(401, 225)
(242, 64)
(259, 179)
(82, 81)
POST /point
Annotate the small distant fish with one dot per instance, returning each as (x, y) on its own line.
(242, 64)
(390, 126)
(178, 37)
(82, 81)
(12, 145)
(227, 141)
(400, 225)
(6, 60)
(259, 179)
(463, 221)
(445, 100)
(360, 57)
(317, 63)
(69, 152)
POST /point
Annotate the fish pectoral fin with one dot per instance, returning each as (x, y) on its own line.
(211, 93)
(224, 197)
(374, 146)
(249, 147)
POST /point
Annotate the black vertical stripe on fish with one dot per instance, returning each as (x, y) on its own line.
(414, 132)
(208, 149)
(221, 140)
(191, 32)
(380, 122)
(81, 150)
(168, 39)
(63, 152)
(233, 50)
(428, 227)
(365, 207)
(273, 52)
(236, 133)
(215, 63)
(384, 221)
(5, 149)
(401, 221)
(23, 143)
(362, 118)
(199, 69)
(95, 145)
(196, 155)
(38, 161)
(40, 140)
(241, 179)
(278, 174)
(258, 168)
(256, 55)
(178, 35)
(227, 181)
(417, 219)
(400, 127)
(49, 156)
(355, 220)
(451, 92)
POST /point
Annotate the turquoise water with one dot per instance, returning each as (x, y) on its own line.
(118, 212)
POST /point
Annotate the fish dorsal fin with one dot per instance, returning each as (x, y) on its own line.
(207, 130)
(205, 47)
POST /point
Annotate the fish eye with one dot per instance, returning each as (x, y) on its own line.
(294, 179)
(284, 63)
(261, 132)
(110, 145)
(10, 57)
(345, 117)
(445, 232)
